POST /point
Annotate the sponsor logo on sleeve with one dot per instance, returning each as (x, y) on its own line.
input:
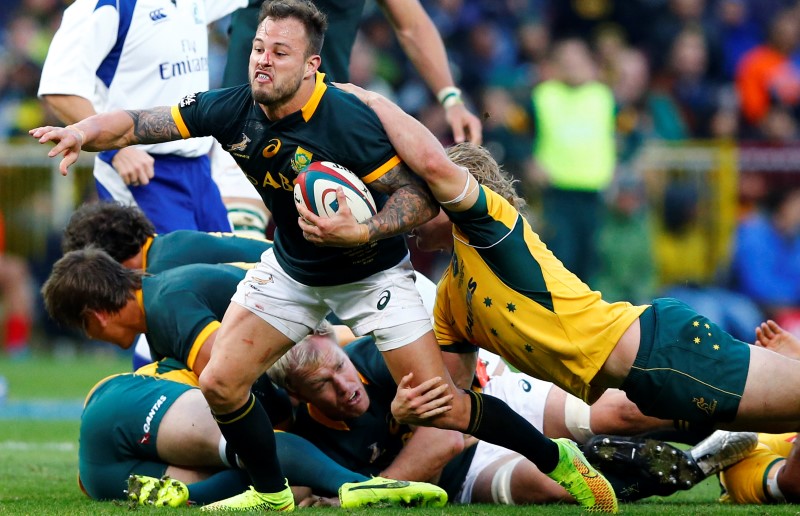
(188, 100)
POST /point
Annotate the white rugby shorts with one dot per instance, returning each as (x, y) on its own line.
(386, 304)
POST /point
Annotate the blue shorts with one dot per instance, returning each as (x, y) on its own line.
(181, 195)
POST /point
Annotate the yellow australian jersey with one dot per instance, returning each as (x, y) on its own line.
(506, 292)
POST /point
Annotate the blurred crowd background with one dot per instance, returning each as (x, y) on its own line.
(704, 204)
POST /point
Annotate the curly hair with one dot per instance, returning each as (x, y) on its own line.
(487, 171)
(88, 279)
(119, 230)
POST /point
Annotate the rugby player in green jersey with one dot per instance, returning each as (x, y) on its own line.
(506, 292)
(284, 119)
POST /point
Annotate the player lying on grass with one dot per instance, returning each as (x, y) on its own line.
(505, 291)
(345, 409)
(137, 428)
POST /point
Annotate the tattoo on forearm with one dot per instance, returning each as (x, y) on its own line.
(410, 203)
(154, 125)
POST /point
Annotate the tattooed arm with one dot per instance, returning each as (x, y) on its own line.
(107, 131)
(410, 204)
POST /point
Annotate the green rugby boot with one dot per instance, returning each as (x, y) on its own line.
(385, 492)
(158, 492)
(574, 473)
(252, 500)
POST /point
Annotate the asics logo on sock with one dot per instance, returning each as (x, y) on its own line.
(397, 484)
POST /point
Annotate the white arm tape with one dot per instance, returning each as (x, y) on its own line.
(577, 417)
(464, 193)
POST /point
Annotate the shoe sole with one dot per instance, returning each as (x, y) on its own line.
(661, 462)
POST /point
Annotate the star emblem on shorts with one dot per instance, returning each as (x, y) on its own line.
(511, 307)
(697, 340)
(494, 332)
(487, 301)
(528, 348)
(695, 324)
(707, 326)
(716, 347)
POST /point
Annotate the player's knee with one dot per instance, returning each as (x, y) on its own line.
(222, 394)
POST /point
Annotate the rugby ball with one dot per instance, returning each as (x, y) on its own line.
(315, 188)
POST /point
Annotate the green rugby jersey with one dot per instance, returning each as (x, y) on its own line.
(184, 305)
(369, 443)
(185, 247)
(332, 126)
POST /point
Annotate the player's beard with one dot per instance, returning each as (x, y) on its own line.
(279, 94)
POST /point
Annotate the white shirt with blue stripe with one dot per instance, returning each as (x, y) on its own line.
(134, 54)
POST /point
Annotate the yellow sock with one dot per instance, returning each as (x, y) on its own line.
(746, 481)
(781, 444)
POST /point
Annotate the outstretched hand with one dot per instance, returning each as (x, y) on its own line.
(68, 141)
(363, 95)
(417, 405)
(770, 335)
(465, 125)
(341, 230)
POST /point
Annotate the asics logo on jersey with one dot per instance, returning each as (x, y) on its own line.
(158, 15)
(384, 299)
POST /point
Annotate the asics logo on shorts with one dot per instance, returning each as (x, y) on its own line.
(158, 15)
(384, 299)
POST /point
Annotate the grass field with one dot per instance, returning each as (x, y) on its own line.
(38, 458)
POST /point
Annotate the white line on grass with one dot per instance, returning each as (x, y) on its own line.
(63, 446)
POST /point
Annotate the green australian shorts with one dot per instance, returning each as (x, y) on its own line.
(687, 368)
(119, 429)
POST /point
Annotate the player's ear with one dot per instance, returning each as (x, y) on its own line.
(102, 317)
(312, 65)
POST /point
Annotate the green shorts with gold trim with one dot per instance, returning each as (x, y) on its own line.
(687, 367)
(119, 430)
